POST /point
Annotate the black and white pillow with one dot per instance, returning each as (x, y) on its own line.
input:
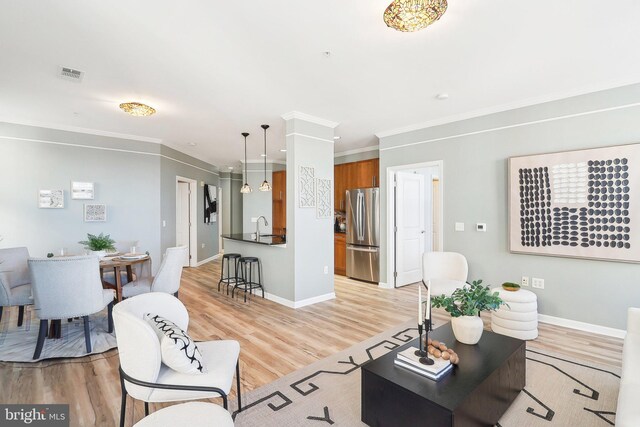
(178, 350)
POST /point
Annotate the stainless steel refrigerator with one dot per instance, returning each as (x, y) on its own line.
(363, 234)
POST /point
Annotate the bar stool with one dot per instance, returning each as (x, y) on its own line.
(246, 283)
(228, 279)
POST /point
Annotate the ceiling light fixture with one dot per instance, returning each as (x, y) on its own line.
(336, 138)
(442, 96)
(413, 15)
(245, 187)
(137, 109)
(265, 186)
(283, 150)
(230, 167)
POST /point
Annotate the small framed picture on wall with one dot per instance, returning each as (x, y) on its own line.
(95, 213)
(51, 199)
(82, 190)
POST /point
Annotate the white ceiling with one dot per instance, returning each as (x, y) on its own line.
(214, 69)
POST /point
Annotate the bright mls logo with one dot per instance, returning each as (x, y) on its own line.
(34, 415)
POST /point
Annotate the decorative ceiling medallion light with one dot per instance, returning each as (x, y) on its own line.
(137, 109)
(413, 15)
(265, 186)
(245, 187)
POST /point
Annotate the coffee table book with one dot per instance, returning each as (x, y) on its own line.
(408, 360)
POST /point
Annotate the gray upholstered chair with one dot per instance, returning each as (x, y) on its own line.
(167, 279)
(69, 287)
(15, 284)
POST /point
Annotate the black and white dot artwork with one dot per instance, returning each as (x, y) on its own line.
(577, 204)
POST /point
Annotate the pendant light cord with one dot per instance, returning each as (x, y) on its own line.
(265, 154)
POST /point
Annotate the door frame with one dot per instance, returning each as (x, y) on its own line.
(193, 228)
(219, 212)
(391, 212)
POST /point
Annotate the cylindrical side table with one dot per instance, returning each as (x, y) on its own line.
(520, 318)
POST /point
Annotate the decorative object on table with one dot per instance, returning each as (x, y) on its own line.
(510, 286)
(440, 349)
(246, 188)
(50, 255)
(464, 305)
(435, 371)
(424, 323)
(95, 213)
(210, 204)
(576, 204)
(518, 317)
(99, 244)
(324, 207)
(265, 186)
(51, 199)
(413, 15)
(82, 190)
(306, 187)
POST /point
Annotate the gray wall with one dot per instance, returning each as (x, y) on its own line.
(257, 202)
(231, 202)
(356, 157)
(475, 190)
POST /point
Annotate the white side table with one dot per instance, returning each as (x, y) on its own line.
(520, 318)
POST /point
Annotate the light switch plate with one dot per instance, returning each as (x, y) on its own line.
(459, 226)
(537, 283)
(481, 227)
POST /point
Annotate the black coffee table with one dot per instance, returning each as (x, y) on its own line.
(476, 393)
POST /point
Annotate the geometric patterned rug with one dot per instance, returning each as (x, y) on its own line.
(558, 391)
(17, 344)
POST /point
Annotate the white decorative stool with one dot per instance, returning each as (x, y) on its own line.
(192, 414)
(520, 318)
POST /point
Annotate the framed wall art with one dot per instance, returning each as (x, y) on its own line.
(82, 190)
(324, 207)
(95, 213)
(210, 204)
(51, 199)
(306, 187)
(581, 204)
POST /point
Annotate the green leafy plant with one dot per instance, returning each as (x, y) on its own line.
(469, 300)
(98, 243)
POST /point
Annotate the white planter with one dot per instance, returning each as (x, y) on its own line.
(467, 329)
(99, 254)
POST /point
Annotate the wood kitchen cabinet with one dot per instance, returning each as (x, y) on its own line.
(363, 174)
(340, 181)
(340, 254)
(279, 202)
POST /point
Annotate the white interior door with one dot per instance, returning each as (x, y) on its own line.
(182, 218)
(410, 222)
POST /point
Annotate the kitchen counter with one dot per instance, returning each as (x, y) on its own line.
(269, 240)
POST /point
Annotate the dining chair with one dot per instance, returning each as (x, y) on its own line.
(167, 279)
(15, 283)
(65, 288)
(447, 271)
(144, 377)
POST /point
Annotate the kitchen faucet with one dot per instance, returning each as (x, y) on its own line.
(266, 223)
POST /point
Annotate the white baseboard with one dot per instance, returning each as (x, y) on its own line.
(384, 285)
(582, 326)
(204, 261)
(301, 303)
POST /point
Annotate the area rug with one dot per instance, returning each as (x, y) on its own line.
(17, 344)
(558, 392)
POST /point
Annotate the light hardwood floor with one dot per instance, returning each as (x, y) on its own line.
(275, 341)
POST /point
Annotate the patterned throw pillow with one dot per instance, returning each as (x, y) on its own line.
(178, 350)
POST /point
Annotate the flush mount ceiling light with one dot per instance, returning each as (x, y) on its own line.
(413, 15)
(137, 109)
(265, 186)
(337, 138)
(246, 188)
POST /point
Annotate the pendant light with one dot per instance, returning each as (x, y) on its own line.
(265, 186)
(245, 187)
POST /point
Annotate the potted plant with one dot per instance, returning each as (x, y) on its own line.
(99, 244)
(464, 306)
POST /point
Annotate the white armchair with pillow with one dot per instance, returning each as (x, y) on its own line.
(447, 272)
(15, 284)
(69, 287)
(628, 411)
(151, 334)
(167, 279)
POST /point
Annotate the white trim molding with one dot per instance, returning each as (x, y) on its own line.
(301, 303)
(582, 326)
(309, 118)
(357, 151)
(309, 136)
(211, 258)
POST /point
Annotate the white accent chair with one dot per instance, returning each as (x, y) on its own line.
(447, 272)
(15, 283)
(64, 288)
(167, 279)
(192, 414)
(146, 378)
(628, 412)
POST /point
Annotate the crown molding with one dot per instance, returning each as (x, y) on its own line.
(357, 151)
(255, 162)
(88, 131)
(309, 118)
(509, 106)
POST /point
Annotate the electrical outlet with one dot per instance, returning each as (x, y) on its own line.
(164, 223)
(326, 269)
(537, 283)
(203, 245)
(459, 226)
(524, 281)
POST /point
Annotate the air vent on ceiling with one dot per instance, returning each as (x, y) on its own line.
(71, 74)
